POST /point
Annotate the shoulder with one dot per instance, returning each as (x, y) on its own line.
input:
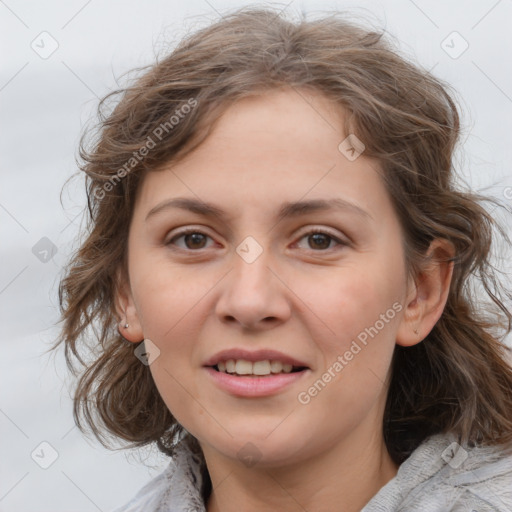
(151, 496)
(176, 489)
(479, 478)
(441, 475)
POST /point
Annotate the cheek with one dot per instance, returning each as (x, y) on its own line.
(357, 347)
(170, 305)
(356, 357)
(347, 303)
(170, 320)
(167, 298)
(176, 388)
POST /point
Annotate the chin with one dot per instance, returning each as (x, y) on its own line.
(252, 448)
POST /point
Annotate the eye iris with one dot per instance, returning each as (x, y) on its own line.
(326, 238)
(196, 237)
(320, 240)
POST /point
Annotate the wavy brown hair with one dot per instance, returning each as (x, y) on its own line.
(458, 379)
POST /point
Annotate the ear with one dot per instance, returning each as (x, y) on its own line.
(427, 296)
(126, 309)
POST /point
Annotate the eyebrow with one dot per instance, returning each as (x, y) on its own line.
(288, 209)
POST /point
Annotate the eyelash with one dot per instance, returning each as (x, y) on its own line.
(307, 233)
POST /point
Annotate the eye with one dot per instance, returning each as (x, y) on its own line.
(193, 239)
(322, 239)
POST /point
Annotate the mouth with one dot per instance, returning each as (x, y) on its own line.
(255, 374)
(263, 368)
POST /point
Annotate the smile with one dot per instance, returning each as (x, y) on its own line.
(251, 385)
(259, 368)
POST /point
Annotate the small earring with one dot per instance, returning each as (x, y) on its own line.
(126, 326)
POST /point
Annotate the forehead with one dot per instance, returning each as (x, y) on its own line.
(281, 146)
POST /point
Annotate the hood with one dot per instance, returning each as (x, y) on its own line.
(442, 476)
(439, 476)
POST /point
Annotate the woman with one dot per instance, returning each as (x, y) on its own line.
(277, 269)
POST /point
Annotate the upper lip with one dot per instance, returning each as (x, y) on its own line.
(253, 356)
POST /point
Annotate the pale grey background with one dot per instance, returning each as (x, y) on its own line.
(44, 104)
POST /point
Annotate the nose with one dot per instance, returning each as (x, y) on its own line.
(253, 295)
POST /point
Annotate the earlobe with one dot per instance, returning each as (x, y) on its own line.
(129, 325)
(427, 295)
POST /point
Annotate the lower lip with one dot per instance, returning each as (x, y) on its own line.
(254, 386)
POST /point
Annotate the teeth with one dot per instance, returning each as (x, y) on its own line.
(261, 367)
(276, 366)
(244, 367)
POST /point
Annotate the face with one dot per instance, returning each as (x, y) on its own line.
(321, 288)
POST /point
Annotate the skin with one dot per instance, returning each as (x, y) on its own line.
(307, 297)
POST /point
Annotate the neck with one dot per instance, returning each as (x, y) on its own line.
(344, 477)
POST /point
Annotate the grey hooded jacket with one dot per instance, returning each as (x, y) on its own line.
(439, 476)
